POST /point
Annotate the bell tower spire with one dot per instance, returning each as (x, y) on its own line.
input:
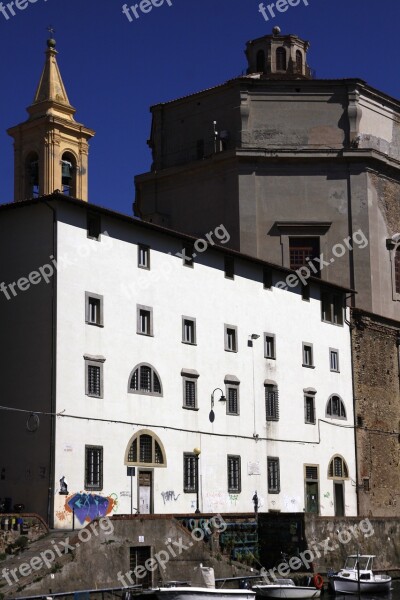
(50, 147)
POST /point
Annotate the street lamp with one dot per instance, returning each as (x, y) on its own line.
(222, 399)
(197, 452)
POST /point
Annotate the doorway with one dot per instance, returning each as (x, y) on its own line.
(338, 491)
(145, 483)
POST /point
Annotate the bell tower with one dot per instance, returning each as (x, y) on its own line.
(50, 147)
(278, 56)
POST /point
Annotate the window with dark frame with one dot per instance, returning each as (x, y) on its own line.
(229, 266)
(338, 468)
(93, 468)
(190, 400)
(271, 402)
(143, 256)
(335, 407)
(269, 346)
(93, 226)
(232, 399)
(334, 360)
(188, 254)
(332, 307)
(144, 320)
(234, 475)
(397, 269)
(189, 472)
(145, 450)
(308, 359)
(302, 250)
(309, 409)
(188, 330)
(94, 311)
(267, 278)
(274, 485)
(145, 380)
(230, 339)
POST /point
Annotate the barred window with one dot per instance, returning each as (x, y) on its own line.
(234, 475)
(232, 400)
(146, 449)
(335, 407)
(94, 380)
(274, 486)
(189, 472)
(271, 402)
(338, 468)
(144, 379)
(309, 409)
(93, 467)
(190, 394)
(94, 376)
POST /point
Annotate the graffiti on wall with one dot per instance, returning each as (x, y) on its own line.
(169, 496)
(87, 507)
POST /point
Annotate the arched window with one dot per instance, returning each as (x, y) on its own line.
(32, 175)
(144, 379)
(68, 174)
(338, 468)
(299, 62)
(260, 67)
(281, 59)
(335, 407)
(146, 449)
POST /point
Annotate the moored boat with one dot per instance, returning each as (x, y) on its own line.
(205, 591)
(357, 576)
(286, 588)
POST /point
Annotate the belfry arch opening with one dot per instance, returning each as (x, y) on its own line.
(68, 174)
(32, 176)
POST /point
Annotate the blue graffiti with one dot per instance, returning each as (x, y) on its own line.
(89, 506)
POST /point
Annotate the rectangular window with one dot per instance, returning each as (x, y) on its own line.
(332, 308)
(229, 265)
(138, 557)
(93, 309)
(334, 360)
(305, 292)
(301, 249)
(232, 399)
(269, 345)
(267, 278)
(93, 226)
(94, 376)
(274, 485)
(308, 359)
(234, 476)
(143, 256)
(200, 149)
(187, 254)
(230, 338)
(93, 467)
(271, 403)
(189, 472)
(144, 320)
(188, 330)
(309, 409)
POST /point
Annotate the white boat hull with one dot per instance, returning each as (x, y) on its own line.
(201, 593)
(287, 591)
(377, 585)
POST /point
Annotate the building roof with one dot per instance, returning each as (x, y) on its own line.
(59, 197)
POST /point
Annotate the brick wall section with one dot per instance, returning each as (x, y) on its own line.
(377, 410)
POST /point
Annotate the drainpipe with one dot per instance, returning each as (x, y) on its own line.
(50, 497)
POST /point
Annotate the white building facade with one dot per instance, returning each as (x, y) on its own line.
(142, 340)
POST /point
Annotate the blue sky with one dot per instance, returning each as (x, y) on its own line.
(115, 69)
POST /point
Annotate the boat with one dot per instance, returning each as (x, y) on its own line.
(357, 576)
(205, 591)
(286, 588)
